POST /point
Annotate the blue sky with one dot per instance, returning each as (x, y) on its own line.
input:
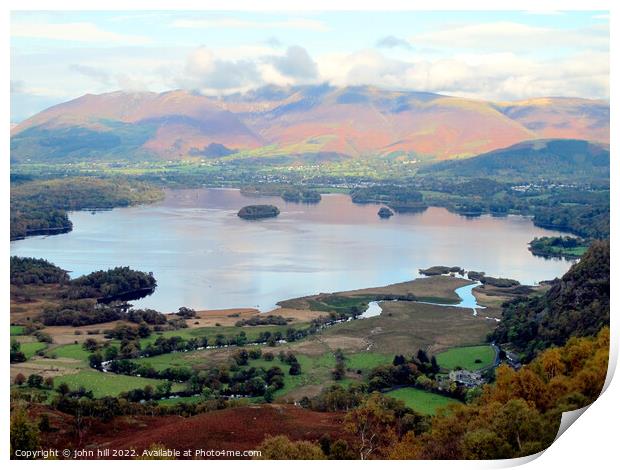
(56, 56)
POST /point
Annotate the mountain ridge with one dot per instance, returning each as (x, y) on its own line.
(354, 121)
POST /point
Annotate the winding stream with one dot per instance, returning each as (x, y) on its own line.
(466, 296)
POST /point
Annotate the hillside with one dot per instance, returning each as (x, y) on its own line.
(537, 159)
(576, 305)
(302, 120)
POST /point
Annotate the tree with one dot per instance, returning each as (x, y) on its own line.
(268, 396)
(63, 389)
(19, 379)
(398, 360)
(282, 448)
(339, 371)
(163, 389)
(295, 369)
(35, 381)
(255, 353)
(95, 360)
(241, 357)
(185, 312)
(16, 354)
(483, 444)
(90, 345)
(422, 356)
(110, 353)
(44, 423)
(24, 433)
(143, 330)
(339, 450)
(372, 424)
(408, 448)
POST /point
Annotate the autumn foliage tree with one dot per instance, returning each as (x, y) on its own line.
(520, 413)
(282, 448)
(373, 425)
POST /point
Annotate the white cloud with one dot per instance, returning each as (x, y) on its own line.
(229, 23)
(493, 76)
(296, 63)
(95, 73)
(79, 32)
(205, 71)
(511, 36)
(392, 42)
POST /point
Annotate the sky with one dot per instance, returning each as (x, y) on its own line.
(500, 56)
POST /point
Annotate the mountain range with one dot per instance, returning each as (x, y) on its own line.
(347, 122)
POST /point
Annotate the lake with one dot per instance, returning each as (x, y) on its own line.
(205, 257)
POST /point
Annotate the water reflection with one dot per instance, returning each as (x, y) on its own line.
(204, 256)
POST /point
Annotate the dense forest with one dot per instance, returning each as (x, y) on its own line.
(83, 301)
(40, 206)
(575, 305)
(36, 271)
(112, 284)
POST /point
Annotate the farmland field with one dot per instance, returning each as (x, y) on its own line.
(315, 371)
(17, 330)
(73, 351)
(366, 361)
(104, 384)
(30, 349)
(467, 357)
(422, 401)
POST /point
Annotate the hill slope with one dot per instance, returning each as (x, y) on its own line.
(576, 305)
(351, 121)
(533, 159)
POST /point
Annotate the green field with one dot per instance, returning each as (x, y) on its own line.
(315, 370)
(366, 361)
(76, 351)
(176, 401)
(422, 401)
(30, 349)
(106, 384)
(164, 361)
(73, 351)
(17, 330)
(466, 357)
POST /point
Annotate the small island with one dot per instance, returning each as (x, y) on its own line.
(442, 270)
(385, 213)
(558, 247)
(301, 195)
(260, 211)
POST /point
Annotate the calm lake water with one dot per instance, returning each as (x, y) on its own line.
(204, 256)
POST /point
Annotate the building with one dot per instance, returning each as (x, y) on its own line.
(466, 378)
